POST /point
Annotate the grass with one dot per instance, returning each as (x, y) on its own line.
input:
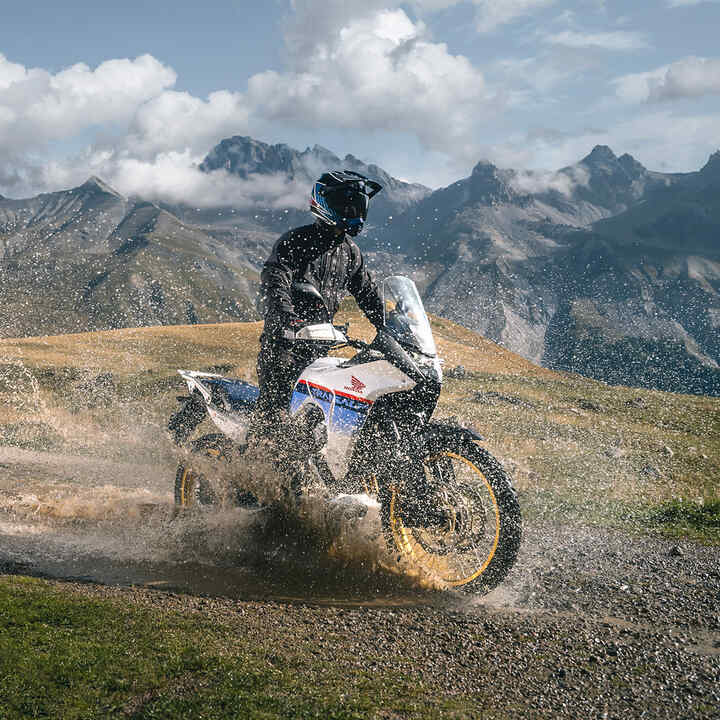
(611, 453)
(687, 519)
(67, 656)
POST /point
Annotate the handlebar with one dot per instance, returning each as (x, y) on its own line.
(353, 343)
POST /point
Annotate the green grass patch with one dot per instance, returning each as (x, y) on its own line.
(67, 656)
(684, 518)
(681, 519)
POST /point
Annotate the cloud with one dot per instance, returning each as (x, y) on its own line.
(127, 116)
(378, 73)
(686, 3)
(37, 106)
(491, 14)
(173, 177)
(686, 78)
(173, 120)
(619, 40)
(564, 181)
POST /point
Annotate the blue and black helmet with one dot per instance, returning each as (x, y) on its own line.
(340, 199)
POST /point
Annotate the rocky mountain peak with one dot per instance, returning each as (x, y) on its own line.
(711, 169)
(95, 184)
(485, 168)
(488, 185)
(631, 166)
(600, 154)
(243, 156)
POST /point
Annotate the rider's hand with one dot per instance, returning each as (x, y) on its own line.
(292, 325)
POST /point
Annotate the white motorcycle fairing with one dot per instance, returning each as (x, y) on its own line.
(345, 393)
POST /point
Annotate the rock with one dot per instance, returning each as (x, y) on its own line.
(457, 373)
(589, 405)
(668, 451)
(650, 472)
(491, 397)
(676, 551)
(637, 402)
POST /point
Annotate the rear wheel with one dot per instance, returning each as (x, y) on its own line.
(192, 488)
(468, 533)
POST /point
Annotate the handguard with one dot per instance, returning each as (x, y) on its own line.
(321, 332)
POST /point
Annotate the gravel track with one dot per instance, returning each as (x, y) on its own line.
(589, 624)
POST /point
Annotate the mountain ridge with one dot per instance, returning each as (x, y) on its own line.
(602, 254)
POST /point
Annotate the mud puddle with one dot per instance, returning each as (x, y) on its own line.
(103, 521)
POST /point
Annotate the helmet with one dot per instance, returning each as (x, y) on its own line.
(340, 199)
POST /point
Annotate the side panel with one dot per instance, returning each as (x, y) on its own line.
(346, 394)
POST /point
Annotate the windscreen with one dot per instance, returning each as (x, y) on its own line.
(405, 317)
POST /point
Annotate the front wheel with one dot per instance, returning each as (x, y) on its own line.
(460, 520)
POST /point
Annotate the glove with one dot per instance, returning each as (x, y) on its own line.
(292, 325)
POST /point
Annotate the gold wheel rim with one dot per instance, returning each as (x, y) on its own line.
(186, 486)
(436, 563)
(371, 485)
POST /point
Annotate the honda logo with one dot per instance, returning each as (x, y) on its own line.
(355, 385)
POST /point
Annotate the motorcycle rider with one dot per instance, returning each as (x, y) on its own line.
(324, 256)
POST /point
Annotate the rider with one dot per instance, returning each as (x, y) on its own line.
(324, 256)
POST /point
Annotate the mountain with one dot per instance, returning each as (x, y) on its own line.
(604, 267)
(644, 308)
(534, 262)
(88, 258)
(251, 159)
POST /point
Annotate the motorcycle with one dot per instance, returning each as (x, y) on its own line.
(445, 504)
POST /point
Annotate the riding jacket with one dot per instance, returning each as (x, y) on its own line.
(333, 264)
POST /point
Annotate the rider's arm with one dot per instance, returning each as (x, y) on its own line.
(363, 289)
(276, 278)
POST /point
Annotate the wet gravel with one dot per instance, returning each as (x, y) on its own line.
(590, 624)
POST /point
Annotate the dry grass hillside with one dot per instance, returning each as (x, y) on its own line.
(577, 448)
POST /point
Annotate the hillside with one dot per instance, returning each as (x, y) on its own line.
(553, 430)
(188, 614)
(88, 258)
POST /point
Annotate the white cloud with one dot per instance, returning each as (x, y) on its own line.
(686, 3)
(491, 14)
(37, 107)
(173, 177)
(173, 120)
(686, 78)
(563, 182)
(619, 40)
(135, 125)
(379, 72)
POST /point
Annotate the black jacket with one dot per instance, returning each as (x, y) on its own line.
(334, 265)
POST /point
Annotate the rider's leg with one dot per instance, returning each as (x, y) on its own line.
(278, 367)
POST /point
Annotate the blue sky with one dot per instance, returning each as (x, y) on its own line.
(139, 92)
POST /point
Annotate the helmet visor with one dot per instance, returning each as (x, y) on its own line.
(348, 203)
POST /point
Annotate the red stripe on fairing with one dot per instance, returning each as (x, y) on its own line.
(337, 392)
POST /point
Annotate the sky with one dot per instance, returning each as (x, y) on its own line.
(137, 93)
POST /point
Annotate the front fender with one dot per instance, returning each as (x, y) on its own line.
(437, 433)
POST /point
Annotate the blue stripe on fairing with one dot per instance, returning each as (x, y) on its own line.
(346, 420)
(348, 415)
(300, 394)
(241, 395)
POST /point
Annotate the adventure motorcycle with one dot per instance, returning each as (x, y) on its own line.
(444, 502)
